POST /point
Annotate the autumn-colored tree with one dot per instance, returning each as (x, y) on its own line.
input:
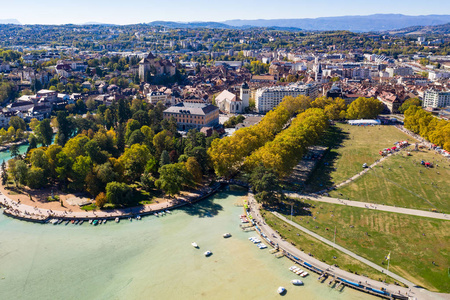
(101, 200)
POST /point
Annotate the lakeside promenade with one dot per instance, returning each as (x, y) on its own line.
(26, 212)
(412, 292)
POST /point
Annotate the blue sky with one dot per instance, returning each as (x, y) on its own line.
(141, 11)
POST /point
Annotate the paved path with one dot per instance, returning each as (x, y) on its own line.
(413, 292)
(373, 206)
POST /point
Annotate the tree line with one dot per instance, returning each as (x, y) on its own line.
(423, 123)
(228, 154)
(140, 151)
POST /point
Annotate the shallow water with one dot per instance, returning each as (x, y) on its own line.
(149, 259)
(6, 155)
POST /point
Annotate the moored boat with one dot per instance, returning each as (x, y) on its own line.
(117, 220)
(194, 244)
(95, 222)
(227, 235)
(297, 282)
(281, 290)
(208, 253)
(91, 221)
(81, 222)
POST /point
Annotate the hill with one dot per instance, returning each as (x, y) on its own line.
(423, 30)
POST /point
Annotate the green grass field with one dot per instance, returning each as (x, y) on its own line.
(351, 147)
(404, 182)
(322, 251)
(414, 242)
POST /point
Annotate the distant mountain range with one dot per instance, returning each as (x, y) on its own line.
(9, 21)
(377, 22)
(423, 30)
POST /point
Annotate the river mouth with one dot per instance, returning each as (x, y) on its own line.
(149, 259)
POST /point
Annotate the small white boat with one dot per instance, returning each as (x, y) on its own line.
(227, 235)
(208, 253)
(90, 221)
(281, 290)
(304, 274)
(138, 217)
(168, 212)
(156, 215)
(117, 219)
(297, 282)
(104, 221)
(194, 244)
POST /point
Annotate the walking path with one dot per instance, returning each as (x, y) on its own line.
(357, 175)
(34, 213)
(412, 291)
(394, 209)
(342, 249)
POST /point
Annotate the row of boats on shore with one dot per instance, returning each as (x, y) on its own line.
(56, 221)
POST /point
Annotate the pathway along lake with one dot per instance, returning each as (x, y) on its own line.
(149, 259)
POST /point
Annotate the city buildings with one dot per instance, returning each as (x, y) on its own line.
(269, 97)
(193, 115)
(436, 99)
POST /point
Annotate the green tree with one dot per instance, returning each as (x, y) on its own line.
(364, 108)
(408, 103)
(44, 132)
(265, 184)
(17, 123)
(134, 160)
(22, 171)
(14, 150)
(194, 168)
(165, 159)
(172, 178)
(36, 178)
(119, 193)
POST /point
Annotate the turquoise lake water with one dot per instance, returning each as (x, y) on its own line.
(149, 259)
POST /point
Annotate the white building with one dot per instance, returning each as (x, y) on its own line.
(269, 97)
(433, 75)
(433, 98)
(229, 103)
(401, 71)
(155, 96)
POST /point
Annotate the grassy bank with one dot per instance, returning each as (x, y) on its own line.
(322, 251)
(351, 147)
(414, 242)
(402, 181)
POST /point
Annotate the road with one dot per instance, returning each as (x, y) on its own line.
(372, 206)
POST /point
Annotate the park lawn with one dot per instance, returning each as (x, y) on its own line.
(414, 242)
(321, 250)
(351, 147)
(402, 181)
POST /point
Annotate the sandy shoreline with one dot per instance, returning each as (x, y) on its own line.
(38, 209)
